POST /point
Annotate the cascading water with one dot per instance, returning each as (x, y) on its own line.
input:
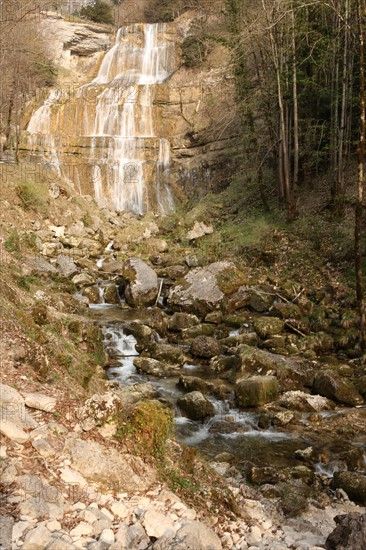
(113, 119)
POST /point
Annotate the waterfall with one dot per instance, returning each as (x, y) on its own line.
(113, 122)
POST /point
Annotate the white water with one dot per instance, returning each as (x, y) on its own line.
(114, 114)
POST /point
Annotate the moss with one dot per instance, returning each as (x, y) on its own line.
(230, 280)
(148, 429)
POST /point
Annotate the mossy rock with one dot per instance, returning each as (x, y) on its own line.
(150, 426)
(266, 327)
(256, 391)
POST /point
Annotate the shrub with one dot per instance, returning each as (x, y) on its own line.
(12, 243)
(99, 12)
(33, 195)
(194, 51)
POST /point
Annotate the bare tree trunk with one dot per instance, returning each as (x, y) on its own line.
(360, 186)
(340, 185)
(295, 178)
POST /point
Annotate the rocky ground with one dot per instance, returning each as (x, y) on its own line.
(87, 464)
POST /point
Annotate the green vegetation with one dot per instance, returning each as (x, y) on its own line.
(147, 429)
(12, 243)
(33, 194)
(194, 50)
(99, 12)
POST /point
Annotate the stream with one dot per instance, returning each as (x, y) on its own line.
(230, 430)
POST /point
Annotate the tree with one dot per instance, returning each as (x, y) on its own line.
(360, 204)
(98, 11)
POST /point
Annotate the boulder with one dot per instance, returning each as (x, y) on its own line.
(107, 466)
(196, 406)
(98, 410)
(266, 327)
(353, 483)
(259, 298)
(153, 367)
(157, 524)
(329, 384)
(40, 402)
(301, 401)
(203, 289)
(111, 294)
(37, 539)
(83, 279)
(166, 352)
(92, 294)
(255, 391)
(291, 372)
(205, 347)
(350, 533)
(192, 535)
(194, 383)
(142, 283)
(200, 229)
(180, 321)
(66, 266)
(40, 265)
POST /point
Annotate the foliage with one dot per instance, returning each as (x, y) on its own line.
(33, 195)
(99, 12)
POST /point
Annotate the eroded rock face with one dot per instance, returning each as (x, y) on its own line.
(201, 291)
(142, 288)
(196, 406)
(255, 391)
(350, 533)
(329, 384)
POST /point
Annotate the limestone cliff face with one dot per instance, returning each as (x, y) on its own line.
(129, 122)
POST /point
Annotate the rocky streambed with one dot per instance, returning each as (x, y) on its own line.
(246, 385)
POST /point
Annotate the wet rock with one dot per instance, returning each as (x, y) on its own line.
(331, 385)
(111, 294)
(153, 367)
(92, 294)
(350, 533)
(224, 363)
(83, 279)
(194, 383)
(266, 327)
(158, 320)
(255, 391)
(180, 321)
(66, 266)
(108, 467)
(142, 288)
(261, 476)
(203, 329)
(205, 347)
(353, 483)
(258, 298)
(165, 352)
(292, 373)
(202, 289)
(196, 406)
(214, 317)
